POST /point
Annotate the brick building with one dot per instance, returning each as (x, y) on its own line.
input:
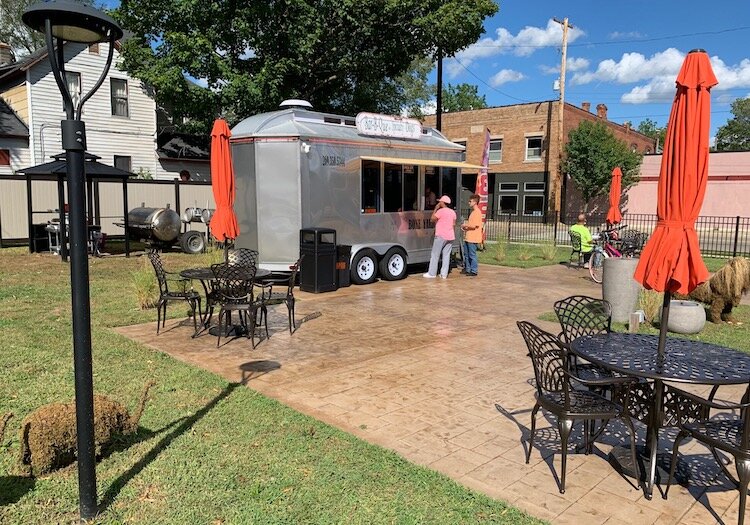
(524, 175)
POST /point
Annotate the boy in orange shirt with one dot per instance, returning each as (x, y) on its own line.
(472, 237)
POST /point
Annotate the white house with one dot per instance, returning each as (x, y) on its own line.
(121, 119)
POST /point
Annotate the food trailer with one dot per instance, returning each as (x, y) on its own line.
(372, 178)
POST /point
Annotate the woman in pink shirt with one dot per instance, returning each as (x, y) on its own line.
(445, 221)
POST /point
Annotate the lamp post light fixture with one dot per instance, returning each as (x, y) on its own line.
(66, 21)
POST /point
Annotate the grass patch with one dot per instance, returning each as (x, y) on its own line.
(523, 255)
(207, 451)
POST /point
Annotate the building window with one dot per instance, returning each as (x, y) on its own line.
(508, 186)
(533, 205)
(119, 91)
(4, 157)
(74, 86)
(496, 150)
(94, 48)
(533, 186)
(509, 204)
(370, 186)
(533, 148)
(461, 143)
(122, 162)
(392, 188)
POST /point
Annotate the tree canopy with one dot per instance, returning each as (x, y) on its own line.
(649, 128)
(462, 97)
(735, 134)
(343, 56)
(14, 32)
(592, 152)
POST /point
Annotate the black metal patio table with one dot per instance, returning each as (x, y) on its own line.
(685, 361)
(205, 276)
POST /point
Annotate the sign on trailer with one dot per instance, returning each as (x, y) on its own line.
(388, 126)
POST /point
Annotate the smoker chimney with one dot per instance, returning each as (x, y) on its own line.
(586, 106)
(7, 57)
(601, 111)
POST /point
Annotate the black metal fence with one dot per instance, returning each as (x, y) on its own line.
(718, 236)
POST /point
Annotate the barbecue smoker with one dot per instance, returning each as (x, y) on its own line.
(161, 228)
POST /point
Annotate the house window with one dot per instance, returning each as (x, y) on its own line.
(74, 86)
(122, 162)
(461, 143)
(94, 48)
(496, 150)
(533, 186)
(509, 204)
(370, 186)
(392, 188)
(534, 148)
(4, 157)
(533, 205)
(119, 93)
(508, 186)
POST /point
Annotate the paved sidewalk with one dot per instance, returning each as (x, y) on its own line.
(437, 371)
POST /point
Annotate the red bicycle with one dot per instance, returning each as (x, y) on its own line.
(604, 249)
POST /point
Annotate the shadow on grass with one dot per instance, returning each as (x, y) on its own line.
(13, 488)
(187, 423)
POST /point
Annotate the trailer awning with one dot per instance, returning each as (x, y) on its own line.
(425, 162)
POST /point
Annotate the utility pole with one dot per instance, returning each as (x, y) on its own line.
(555, 191)
(439, 101)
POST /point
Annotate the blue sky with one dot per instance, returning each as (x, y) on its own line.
(623, 54)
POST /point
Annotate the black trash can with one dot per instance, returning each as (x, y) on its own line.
(318, 269)
(343, 258)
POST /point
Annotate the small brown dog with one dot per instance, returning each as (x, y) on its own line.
(48, 435)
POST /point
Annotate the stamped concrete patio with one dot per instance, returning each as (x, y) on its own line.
(437, 371)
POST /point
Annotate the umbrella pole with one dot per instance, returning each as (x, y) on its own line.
(226, 250)
(663, 326)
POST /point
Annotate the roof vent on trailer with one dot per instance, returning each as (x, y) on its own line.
(295, 103)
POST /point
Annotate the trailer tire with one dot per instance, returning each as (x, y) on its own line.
(364, 268)
(192, 242)
(393, 265)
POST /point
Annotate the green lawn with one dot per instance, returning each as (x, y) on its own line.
(207, 451)
(730, 335)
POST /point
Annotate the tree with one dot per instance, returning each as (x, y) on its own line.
(735, 134)
(649, 128)
(462, 97)
(342, 56)
(416, 91)
(14, 32)
(592, 152)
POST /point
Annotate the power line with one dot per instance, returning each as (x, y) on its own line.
(486, 84)
(617, 42)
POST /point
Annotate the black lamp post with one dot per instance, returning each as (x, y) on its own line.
(62, 21)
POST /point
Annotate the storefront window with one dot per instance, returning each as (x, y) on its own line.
(392, 188)
(533, 205)
(509, 204)
(370, 186)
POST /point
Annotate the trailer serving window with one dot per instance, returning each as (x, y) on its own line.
(370, 186)
(411, 188)
(393, 183)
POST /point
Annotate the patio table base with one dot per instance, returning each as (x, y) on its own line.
(234, 330)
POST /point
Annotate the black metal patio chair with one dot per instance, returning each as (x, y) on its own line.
(235, 291)
(727, 434)
(166, 295)
(575, 242)
(243, 257)
(287, 295)
(555, 393)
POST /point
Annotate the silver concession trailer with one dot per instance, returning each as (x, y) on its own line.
(372, 178)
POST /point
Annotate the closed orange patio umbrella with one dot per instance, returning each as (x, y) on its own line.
(671, 261)
(224, 221)
(613, 215)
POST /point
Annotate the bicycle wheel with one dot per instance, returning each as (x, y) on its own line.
(596, 266)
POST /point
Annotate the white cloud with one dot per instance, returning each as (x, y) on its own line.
(619, 35)
(573, 64)
(504, 76)
(524, 43)
(633, 67)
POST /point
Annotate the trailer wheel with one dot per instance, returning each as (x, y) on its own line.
(393, 265)
(192, 242)
(364, 267)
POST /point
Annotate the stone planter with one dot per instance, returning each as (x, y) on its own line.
(686, 317)
(619, 288)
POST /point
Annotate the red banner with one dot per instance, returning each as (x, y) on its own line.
(482, 190)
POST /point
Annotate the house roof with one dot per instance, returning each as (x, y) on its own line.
(182, 146)
(10, 124)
